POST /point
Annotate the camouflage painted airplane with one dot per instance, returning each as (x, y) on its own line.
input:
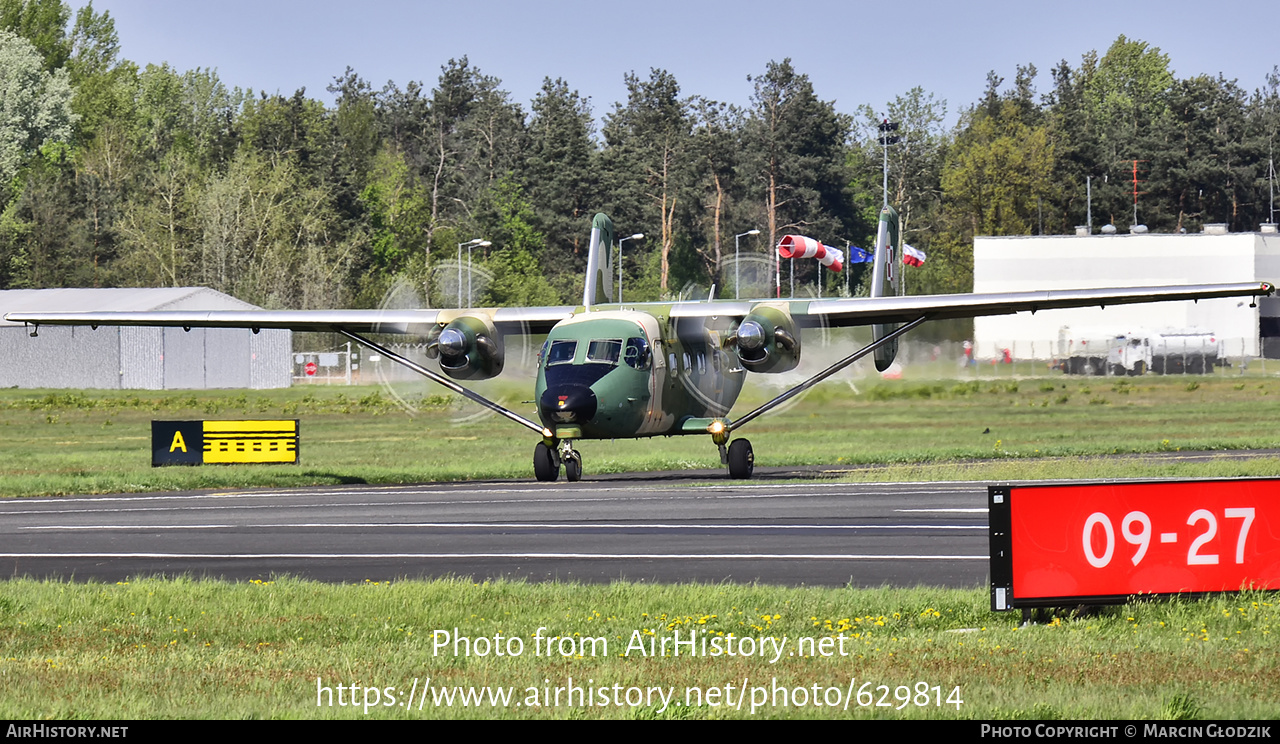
(624, 371)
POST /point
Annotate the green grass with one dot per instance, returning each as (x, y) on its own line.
(204, 649)
(60, 442)
(155, 648)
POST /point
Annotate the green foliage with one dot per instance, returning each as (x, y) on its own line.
(43, 23)
(119, 173)
(997, 170)
(516, 280)
(35, 104)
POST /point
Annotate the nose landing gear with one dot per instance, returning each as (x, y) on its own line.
(547, 460)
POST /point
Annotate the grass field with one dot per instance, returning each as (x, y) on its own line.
(151, 648)
(64, 442)
(161, 649)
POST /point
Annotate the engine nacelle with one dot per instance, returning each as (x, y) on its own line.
(767, 340)
(468, 347)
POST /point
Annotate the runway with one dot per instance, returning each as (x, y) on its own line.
(816, 533)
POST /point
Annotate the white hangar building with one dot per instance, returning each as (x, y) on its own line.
(115, 358)
(1017, 263)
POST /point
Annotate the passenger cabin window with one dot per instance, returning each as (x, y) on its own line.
(637, 353)
(604, 351)
(562, 352)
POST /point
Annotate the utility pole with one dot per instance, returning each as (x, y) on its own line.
(886, 139)
(1135, 191)
(1088, 198)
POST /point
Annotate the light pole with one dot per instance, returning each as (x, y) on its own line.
(481, 244)
(637, 236)
(468, 245)
(737, 295)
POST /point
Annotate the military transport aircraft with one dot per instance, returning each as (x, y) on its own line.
(623, 371)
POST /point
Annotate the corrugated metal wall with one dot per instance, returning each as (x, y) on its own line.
(144, 358)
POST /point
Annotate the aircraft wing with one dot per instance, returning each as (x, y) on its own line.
(510, 320)
(536, 320)
(860, 311)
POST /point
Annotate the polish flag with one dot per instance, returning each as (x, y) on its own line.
(912, 256)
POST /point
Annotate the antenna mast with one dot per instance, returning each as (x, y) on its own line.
(1135, 189)
(887, 126)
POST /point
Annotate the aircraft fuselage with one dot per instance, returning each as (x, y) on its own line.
(624, 373)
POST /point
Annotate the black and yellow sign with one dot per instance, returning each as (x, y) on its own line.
(208, 442)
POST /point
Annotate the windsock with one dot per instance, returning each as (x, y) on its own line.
(798, 246)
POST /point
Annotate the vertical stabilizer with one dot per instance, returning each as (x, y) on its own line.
(599, 286)
(884, 282)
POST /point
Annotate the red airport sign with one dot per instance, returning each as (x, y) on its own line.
(310, 368)
(1103, 543)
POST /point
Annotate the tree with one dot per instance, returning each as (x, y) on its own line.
(998, 172)
(797, 144)
(516, 280)
(44, 24)
(562, 181)
(1124, 97)
(1199, 166)
(715, 155)
(397, 212)
(647, 142)
(35, 105)
(1264, 131)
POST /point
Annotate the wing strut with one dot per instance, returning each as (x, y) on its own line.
(445, 381)
(824, 374)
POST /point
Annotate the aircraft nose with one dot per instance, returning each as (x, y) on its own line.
(568, 404)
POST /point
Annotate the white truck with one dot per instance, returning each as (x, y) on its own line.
(1136, 352)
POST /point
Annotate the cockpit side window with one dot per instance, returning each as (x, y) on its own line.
(637, 353)
(604, 351)
(561, 352)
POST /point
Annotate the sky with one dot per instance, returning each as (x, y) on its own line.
(855, 52)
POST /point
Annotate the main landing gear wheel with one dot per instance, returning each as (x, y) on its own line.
(742, 460)
(545, 466)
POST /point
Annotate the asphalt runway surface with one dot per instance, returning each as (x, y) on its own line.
(795, 534)
(657, 527)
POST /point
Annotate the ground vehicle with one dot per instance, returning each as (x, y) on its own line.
(1138, 351)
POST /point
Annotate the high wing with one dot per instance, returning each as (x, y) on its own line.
(533, 320)
(877, 310)
(538, 320)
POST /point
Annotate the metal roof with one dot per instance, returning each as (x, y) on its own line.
(124, 299)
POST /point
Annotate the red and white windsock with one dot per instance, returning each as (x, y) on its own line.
(798, 246)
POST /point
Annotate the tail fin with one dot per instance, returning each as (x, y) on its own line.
(599, 285)
(884, 282)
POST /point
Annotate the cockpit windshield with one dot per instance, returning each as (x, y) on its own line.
(562, 352)
(605, 351)
(637, 353)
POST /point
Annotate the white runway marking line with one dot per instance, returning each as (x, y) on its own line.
(462, 490)
(369, 504)
(326, 505)
(982, 510)
(546, 556)
(513, 525)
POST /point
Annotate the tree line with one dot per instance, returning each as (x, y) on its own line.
(117, 174)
